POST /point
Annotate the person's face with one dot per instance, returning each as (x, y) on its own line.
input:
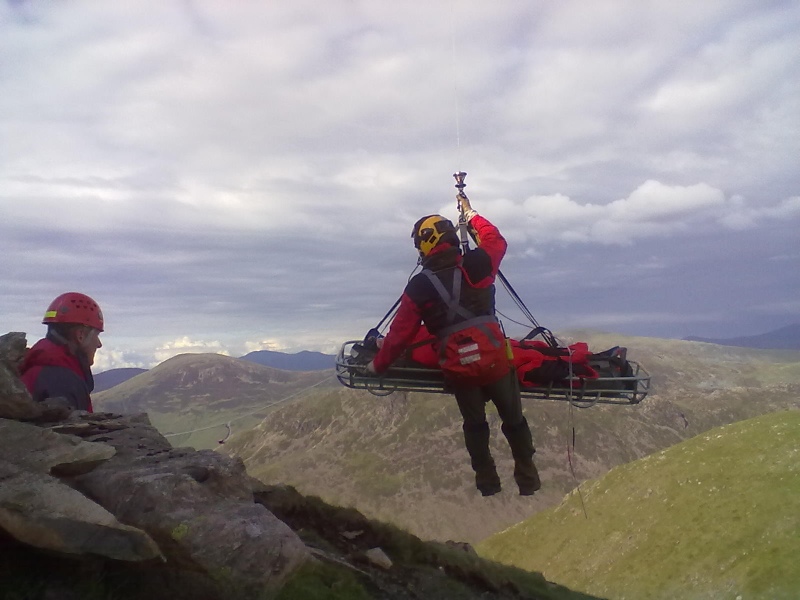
(89, 342)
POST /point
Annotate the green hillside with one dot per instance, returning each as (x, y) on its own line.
(401, 458)
(717, 516)
(199, 399)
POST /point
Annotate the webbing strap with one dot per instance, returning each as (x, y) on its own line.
(453, 307)
(473, 322)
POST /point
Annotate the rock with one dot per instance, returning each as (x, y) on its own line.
(462, 546)
(40, 511)
(15, 401)
(131, 496)
(54, 409)
(36, 449)
(378, 557)
(197, 505)
(13, 346)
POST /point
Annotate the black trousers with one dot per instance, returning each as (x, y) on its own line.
(504, 393)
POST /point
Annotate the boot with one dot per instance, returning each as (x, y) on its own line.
(476, 438)
(521, 442)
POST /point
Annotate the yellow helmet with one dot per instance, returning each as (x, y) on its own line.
(429, 231)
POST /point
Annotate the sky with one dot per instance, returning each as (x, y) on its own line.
(237, 176)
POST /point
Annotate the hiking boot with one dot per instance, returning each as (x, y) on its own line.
(521, 443)
(476, 439)
(487, 480)
(528, 482)
(489, 489)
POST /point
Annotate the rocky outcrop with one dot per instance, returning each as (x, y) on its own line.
(102, 485)
(198, 505)
(15, 401)
(102, 507)
(41, 511)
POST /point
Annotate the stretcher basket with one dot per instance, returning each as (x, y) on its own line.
(629, 389)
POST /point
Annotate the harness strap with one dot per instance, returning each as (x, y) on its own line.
(473, 322)
(454, 309)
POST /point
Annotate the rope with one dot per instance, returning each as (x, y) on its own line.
(571, 450)
(247, 414)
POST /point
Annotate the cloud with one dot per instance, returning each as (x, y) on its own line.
(652, 210)
(251, 172)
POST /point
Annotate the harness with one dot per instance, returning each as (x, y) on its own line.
(471, 352)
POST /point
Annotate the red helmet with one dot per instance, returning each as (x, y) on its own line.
(74, 307)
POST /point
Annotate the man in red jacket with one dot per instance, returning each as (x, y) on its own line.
(59, 365)
(454, 297)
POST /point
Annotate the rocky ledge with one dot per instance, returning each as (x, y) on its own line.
(101, 507)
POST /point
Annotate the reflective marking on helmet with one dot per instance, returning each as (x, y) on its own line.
(50, 314)
(465, 360)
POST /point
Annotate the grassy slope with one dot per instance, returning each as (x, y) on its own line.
(717, 516)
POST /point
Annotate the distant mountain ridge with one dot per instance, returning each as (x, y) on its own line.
(300, 361)
(784, 338)
(112, 377)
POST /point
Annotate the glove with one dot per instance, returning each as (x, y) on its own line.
(370, 368)
(465, 207)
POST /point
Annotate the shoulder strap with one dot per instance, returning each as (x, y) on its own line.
(453, 307)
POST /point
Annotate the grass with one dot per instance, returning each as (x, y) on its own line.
(320, 581)
(714, 517)
(420, 569)
(171, 423)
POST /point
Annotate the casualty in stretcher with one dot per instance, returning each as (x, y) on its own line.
(545, 369)
(544, 372)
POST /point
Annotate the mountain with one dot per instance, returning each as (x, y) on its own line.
(201, 393)
(301, 361)
(112, 377)
(785, 338)
(717, 516)
(401, 459)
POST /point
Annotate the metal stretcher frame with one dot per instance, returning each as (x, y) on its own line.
(603, 390)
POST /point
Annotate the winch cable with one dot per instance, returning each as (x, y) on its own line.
(455, 71)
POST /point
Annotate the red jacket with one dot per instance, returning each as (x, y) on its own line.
(479, 266)
(50, 370)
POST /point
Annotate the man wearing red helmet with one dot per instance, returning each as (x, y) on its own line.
(59, 365)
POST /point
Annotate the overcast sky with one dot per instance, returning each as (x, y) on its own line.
(232, 176)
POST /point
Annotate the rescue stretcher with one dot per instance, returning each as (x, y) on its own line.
(612, 386)
(608, 377)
